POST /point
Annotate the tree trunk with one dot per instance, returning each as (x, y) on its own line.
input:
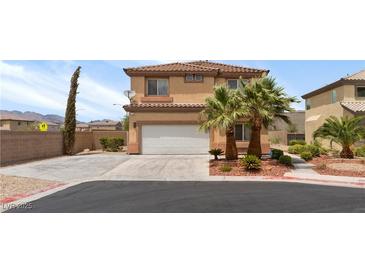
(346, 152)
(254, 147)
(231, 148)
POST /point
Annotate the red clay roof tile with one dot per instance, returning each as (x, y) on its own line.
(195, 66)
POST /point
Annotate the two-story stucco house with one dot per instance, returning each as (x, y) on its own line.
(345, 97)
(165, 112)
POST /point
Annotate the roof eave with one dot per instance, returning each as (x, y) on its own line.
(338, 83)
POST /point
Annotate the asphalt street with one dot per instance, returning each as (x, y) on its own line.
(128, 196)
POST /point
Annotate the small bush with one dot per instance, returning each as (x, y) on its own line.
(296, 149)
(276, 153)
(104, 143)
(251, 162)
(111, 144)
(297, 142)
(360, 151)
(285, 160)
(216, 152)
(225, 168)
(306, 155)
(322, 166)
(313, 149)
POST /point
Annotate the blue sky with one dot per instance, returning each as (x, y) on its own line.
(42, 86)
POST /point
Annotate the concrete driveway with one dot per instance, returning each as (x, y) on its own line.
(71, 169)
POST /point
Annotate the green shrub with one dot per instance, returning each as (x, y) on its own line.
(297, 142)
(360, 151)
(296, 149)
(111, 144)
(251, 162)
(216, 152)
(306, 155)
(285, 160)
(104, 143)
(313, 149)
(276, 153)
(225, 168)
(322, 150)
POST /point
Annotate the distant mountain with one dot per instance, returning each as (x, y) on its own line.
(30, 115)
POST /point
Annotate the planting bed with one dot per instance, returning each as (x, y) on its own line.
(327, 165)
(269, 167)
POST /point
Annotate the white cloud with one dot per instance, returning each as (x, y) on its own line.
(48, 89)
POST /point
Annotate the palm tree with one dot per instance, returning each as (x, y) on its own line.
(263, 100)
(222, 111)
(345, 132)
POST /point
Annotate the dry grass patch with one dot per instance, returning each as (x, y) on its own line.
(327, 165)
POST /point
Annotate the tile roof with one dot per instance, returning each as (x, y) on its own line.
(357, 76)
(354, 106)
(226, 67)
(195, 66)
(164, 106)
(104, 123)
(14, 117)
(82, 125)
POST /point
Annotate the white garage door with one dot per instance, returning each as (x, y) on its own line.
(174, 139)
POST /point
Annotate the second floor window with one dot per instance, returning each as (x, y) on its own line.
(307, 104)
(235, 83)
(193, 77)
(333, 96)
(157, 87)
(360, 91)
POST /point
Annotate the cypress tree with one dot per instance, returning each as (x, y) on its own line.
(70, 115)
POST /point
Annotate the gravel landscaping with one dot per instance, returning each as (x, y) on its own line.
(12, 186)
(326, 165)
(269, 167)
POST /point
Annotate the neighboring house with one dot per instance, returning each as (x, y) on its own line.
(286, 132)
(15, 123)
(345, 97)
(106, 125)
(82, 127)
(165, 112)
(51, 126)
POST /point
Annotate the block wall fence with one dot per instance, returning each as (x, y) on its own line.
(23, 146)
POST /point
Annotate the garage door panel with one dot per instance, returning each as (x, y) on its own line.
(174, 139)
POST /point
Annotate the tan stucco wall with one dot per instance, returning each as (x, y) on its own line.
(180, 92)
(323, 112)
(217, 137)
(321, 105)
(178, 89)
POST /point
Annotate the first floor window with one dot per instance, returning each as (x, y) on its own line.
(232, 83)
(157, 87)
(242, 132)
(360, 91)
